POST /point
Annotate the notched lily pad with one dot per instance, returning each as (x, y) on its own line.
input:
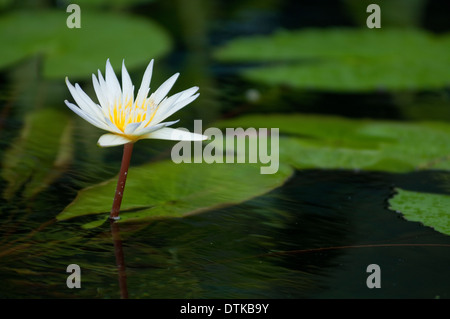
(430, 209)
(166, 189)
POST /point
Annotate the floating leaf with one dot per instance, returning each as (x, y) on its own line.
(39, 155)
(103, 35)
(305, 154)
(429, 209)
(306, 141)
(334, 142)
(345, 59)
(166, 189)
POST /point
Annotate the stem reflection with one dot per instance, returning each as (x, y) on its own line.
(120, 260)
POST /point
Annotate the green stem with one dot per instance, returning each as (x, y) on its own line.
(127, 150)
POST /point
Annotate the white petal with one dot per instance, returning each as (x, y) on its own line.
(160, 116)
(94, 108)
(127, 85)
(187, 93)
(169, 123)
(145, 84)
(99, 92)
(103, 86)
(162, 91)
(167, 133)
(130, 128)
(109, 97)
(107, 140)
(84, 102)
(113, 84)
(167, 104)
(153, 128)
(86, 116)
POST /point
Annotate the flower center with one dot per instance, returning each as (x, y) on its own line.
(123, 114)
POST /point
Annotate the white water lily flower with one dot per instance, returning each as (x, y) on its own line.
(129, 119)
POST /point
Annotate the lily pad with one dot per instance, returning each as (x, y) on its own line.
(309, 141)
(77, 53)
(166, 189)
(39, 155)
(344, 59)
(429, 209)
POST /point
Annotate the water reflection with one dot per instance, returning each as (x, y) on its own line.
(120, 259)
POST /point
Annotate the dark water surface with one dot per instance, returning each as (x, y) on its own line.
(312, 238)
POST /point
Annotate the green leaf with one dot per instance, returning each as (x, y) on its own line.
(80, 52)
(339, 143)
(305, 154)
(166, 189)
(345, 59)
(39, 155)
(429, 209)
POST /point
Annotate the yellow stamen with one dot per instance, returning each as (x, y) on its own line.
(122, 115)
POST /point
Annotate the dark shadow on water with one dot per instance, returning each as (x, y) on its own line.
(366, 232)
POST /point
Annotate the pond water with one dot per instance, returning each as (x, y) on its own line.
(312, 237)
